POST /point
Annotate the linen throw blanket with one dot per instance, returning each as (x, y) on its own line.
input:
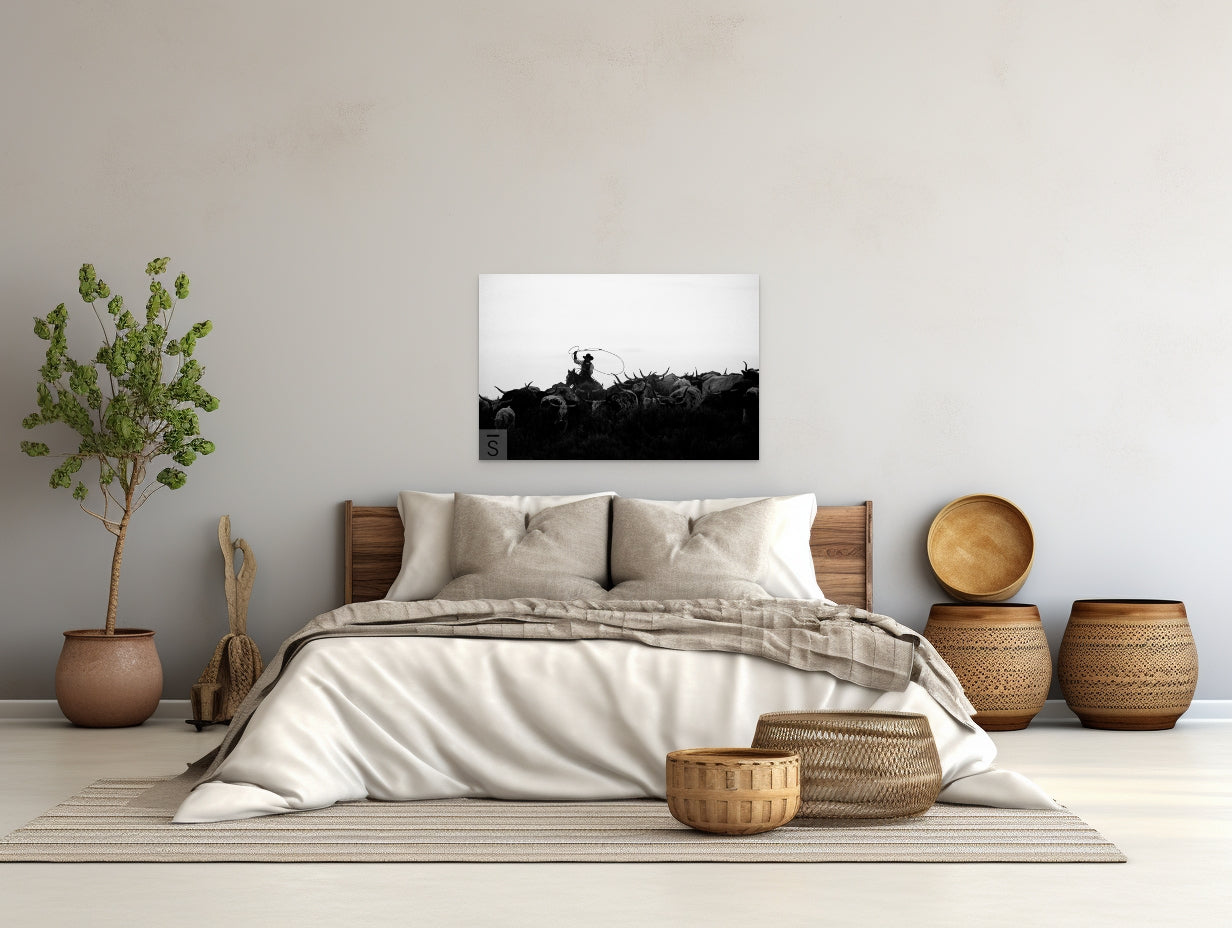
(851, 644)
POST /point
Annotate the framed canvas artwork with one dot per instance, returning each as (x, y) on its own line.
(618, 366)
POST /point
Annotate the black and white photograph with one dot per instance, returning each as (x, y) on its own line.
(619, 366)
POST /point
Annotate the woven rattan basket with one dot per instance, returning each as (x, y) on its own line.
(1000, 655)
(1128, 664)
(733, 791)
(858, 764)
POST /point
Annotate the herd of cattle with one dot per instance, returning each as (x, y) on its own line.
(579, 402)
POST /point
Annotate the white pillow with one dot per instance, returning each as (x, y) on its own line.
(427, 536)
(788, 571)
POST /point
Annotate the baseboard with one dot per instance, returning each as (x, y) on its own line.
(1054, 712)
(47, 709)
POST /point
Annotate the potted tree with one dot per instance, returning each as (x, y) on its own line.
(136, 401)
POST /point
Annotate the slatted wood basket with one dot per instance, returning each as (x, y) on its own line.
(867, 764)
(733, 791)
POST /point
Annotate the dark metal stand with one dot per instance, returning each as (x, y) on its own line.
(200, 724)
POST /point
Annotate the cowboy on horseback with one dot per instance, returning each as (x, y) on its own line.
(587, 365)
(584, 383)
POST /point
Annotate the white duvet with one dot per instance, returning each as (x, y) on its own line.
(404, 718)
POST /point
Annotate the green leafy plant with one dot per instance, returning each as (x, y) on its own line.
(145, 406)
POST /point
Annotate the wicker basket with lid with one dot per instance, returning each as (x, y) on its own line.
(863, 764)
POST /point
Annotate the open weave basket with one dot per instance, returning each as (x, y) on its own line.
(857, 764)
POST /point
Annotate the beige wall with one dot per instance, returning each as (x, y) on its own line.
(992, 240)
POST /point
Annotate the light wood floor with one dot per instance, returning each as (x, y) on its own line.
(1164, 797)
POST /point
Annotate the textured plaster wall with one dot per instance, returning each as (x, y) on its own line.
(992, 240)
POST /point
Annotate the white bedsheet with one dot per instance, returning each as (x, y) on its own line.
(430, 718)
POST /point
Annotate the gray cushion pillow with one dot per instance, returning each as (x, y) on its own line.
(500, 552)
(658, 553)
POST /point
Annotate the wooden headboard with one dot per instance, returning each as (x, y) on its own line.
(842, 543)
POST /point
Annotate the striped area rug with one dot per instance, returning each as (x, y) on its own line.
(99, 824)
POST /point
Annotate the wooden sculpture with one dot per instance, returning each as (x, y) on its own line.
(236, 663)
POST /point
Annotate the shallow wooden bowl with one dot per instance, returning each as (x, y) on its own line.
(981, 548)
(733, 791)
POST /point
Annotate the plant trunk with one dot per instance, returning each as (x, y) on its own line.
(113, 599)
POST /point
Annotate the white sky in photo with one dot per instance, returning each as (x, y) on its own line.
(528, 323)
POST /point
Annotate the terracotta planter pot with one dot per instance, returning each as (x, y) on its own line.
(999, 653)
(1128, 664)
(108, 681)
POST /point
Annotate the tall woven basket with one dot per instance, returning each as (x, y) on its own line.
(1000, 655)
(858, 764)
(1128, 664)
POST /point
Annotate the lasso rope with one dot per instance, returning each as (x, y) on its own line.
(618, 374)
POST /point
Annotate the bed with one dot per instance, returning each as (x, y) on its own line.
(531, 698)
